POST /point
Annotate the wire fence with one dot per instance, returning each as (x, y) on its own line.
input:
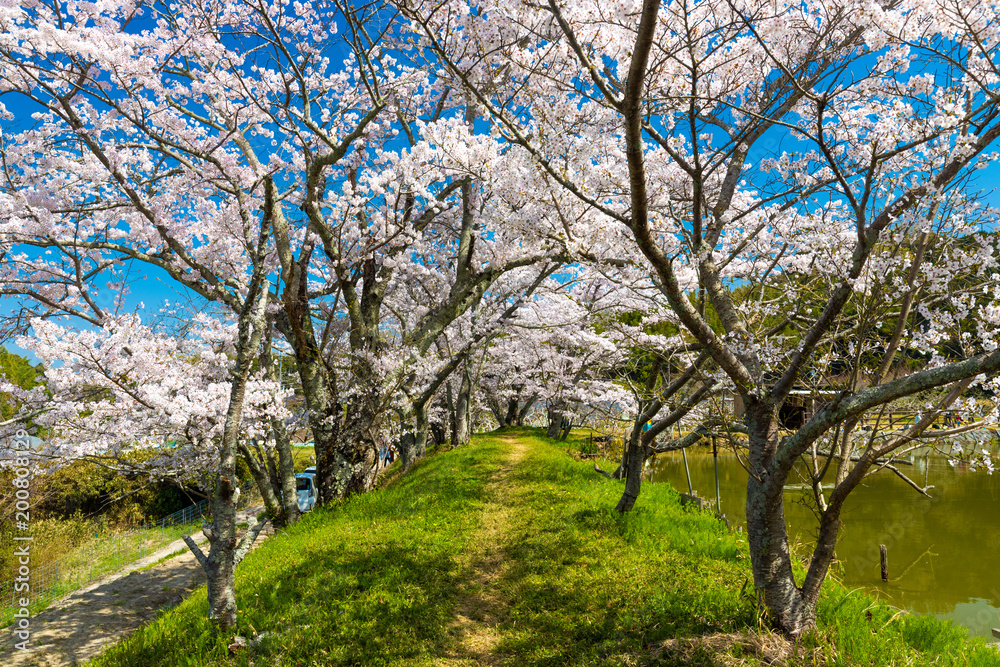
(56, 579)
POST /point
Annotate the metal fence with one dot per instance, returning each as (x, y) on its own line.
(56, 579)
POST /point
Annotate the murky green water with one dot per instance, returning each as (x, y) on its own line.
(944, 552)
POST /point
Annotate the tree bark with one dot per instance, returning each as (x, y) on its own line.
(452, 414)
(437, 430)
(522, 413)
(220, 565)
(555, 422)
(265, 484)
(285, 473)
(463, 428)
(511, 417)
(632, 463)
(500, 413)
(420, 418)
(770, 556)
(407, 449)
(352, 459)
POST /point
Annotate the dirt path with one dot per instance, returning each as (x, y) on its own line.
(80, 626)
(477, 613)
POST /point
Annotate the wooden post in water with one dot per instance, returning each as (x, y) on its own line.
(687, 471)
(715, 456)
(884, 557)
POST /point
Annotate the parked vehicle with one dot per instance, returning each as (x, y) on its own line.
(305, 486)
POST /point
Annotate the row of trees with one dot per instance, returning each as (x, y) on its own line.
(633, 206)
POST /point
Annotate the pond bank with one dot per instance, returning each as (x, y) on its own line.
(942, 550)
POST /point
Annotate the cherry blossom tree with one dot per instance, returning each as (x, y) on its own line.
(125, 386)
(559, 350)
(165, 132)
(812, 148)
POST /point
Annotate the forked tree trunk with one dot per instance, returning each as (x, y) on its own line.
(790, 609)
(522, 413)
(265, 485)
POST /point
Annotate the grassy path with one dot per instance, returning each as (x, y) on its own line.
(508, 552)
(479, 609)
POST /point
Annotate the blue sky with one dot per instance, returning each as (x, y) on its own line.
(151, 288)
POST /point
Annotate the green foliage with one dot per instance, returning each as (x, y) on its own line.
(381, 578)
(87, 488)
(18, 370)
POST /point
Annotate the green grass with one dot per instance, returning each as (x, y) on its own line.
(303, 457)
(378, 580)
(162, 560)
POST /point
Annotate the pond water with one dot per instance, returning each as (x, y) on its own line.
(944, 551)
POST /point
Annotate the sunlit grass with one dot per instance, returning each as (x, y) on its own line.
(376, 580)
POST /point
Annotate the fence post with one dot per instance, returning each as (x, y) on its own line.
(715, 457)
(687, 471)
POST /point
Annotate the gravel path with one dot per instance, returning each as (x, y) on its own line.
(78, 627)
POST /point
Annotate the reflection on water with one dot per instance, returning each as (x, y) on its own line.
(944, 551)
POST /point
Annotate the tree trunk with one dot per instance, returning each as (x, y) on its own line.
(420, 433)
(452, 415)
(346, 452)
(265, 484)
(343, 433)
(286, 471)
(407, 449)
(511, 417)
(771, 560)
(351, 461)
(463, 429)
(632, 462)
(522, 413)
(284, 474)
(413, 444)
(767, 535)
(499, 412)
(555, 422)
(438, 432)
(220, 565)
